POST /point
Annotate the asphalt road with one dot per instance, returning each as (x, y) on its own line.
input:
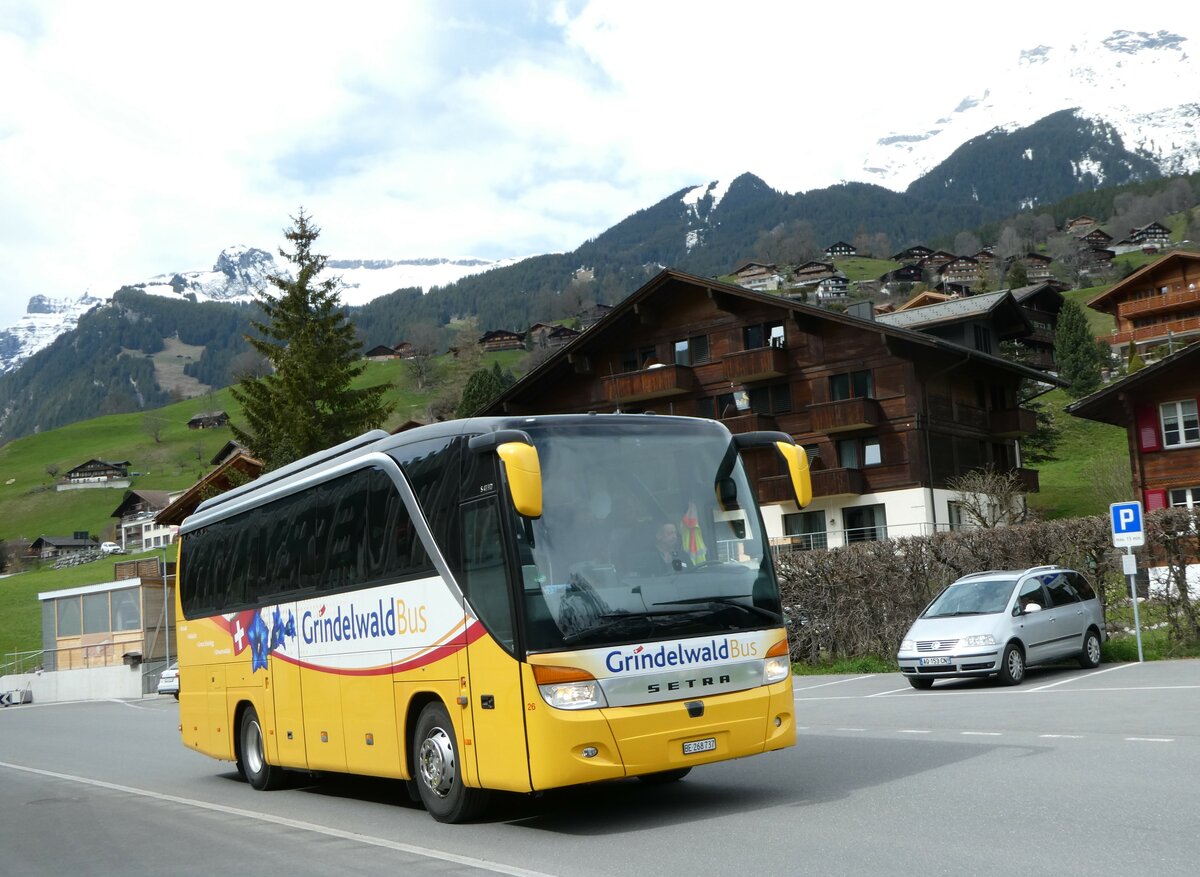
(1071, 772)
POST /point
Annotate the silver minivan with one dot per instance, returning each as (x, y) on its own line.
(999, 622)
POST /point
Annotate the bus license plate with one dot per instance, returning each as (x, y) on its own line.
(694, 746)
(930, 662)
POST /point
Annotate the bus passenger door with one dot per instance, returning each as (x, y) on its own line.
(497, 703)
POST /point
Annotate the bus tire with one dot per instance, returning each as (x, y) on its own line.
(252, 756)
(437, 769)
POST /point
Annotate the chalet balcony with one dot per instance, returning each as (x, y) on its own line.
(650, 383)
(1157, 332)
(749, 423)
(775, 489)
(838, 482)
(831, 417)
(759, 364)
(1013, 422)
(1153, 304)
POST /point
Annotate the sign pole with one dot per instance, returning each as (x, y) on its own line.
(1127, 532)
(1131, 569)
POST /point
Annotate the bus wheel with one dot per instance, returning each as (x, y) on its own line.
(665, 776)
(252, 759)
(437, 769)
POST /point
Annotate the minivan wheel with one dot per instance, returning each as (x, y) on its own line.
(1089, 658)
(920, 683)
(1012, 665)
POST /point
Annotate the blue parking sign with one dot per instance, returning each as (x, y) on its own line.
(1127, 528)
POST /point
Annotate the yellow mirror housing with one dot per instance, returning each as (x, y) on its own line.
(524, 473)
(797, 464)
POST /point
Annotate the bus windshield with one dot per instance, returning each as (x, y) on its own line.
(649, 530)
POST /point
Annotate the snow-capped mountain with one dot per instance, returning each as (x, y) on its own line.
(1141, 84)
(238, 274)
(45, 319)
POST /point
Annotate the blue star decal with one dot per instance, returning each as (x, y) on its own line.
(259, 637)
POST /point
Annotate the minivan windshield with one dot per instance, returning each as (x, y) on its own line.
(976, 597)
(649, 530)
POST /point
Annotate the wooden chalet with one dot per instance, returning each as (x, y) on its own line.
(538, 335)
(912, 255)
(887, 414)
(97, 472)
(1097, 237)
(381, 353)
(758, 275)
(208, 420)
(593, 315)
(136, 527)
(501, 339)
(1041, 303)
(51, 547)
(903, 277)
(1154, 236)
(1080, 224)
(1157, 407)
(1037, 266)
(963, 271)
(234, 467)
(921, 299)
(935, 260)
(1159, 302)
(812, 272)
(979, 322)
(840, 250)
(561, 335)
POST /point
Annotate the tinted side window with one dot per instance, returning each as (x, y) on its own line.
(1082, 587)
(1031, 592)
(1060, 590)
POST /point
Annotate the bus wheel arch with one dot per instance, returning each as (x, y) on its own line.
(435, 755)
(251, 751)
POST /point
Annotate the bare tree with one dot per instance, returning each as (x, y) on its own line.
(1109, 475)
(420, 362)
(52, 469)
(990, 497)
(249, 364)
(153, 427)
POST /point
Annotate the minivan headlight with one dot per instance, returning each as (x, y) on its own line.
(907, 646)
(985, 639)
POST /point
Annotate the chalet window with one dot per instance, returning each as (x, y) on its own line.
(957, 521)
(1180, 424)
(727, 405)
(633, 360)
(692, 351)
(775, 399)
(763, 335)
(865, 523)
(807, 530)
(983, 339)
(858, 453)
(1185, 497)
(852, 385)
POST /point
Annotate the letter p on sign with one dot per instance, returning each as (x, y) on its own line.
(1127, 531)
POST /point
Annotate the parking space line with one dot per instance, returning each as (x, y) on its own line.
(981, 733)
(834, 682)
(1060, 736)
(890, 691)
(1150, 739)
(1079, 678)
(912, 731)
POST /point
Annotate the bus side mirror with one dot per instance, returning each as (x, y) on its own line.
(797, 464)
(523, 471)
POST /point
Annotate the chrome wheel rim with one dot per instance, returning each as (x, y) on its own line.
(437, 762)
(252, 747)
(1016, 664)
(1093, 649)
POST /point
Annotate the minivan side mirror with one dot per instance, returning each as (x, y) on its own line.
(1031, 607)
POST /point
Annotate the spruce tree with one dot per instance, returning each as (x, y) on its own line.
(307, 403)
(1075, 351)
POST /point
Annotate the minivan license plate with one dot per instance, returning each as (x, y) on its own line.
(706, 745)
(929, 662)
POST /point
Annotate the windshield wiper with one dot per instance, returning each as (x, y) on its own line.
(620, 620)
(728, 601)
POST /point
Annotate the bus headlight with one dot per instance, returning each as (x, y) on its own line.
(778, 665)
(569, 688)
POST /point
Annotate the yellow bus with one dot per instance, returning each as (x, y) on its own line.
(511, 604)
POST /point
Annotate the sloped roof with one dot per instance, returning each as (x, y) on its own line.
(952, 311)
(597, 337)
(1104, 404)
(155, 499)
(1105, 301)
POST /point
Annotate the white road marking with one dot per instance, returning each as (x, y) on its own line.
(890, 691)
(1061, 736)
(470, 862)
(912, 731)
(849, 729)
(981, 733)
(834, 682)
(1078, 678)
(1150, 739)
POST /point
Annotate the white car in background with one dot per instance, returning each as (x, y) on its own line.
(111, 548)
(168, 681)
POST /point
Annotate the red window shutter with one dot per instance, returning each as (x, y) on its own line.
(1147, 428)
(1155, 500)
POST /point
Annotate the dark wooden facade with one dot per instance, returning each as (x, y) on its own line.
(1157, 407)
(879, 408)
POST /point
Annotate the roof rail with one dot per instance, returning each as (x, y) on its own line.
(1043, 566)
(298, 466)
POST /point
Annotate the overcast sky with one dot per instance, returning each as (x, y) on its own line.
(141, 138)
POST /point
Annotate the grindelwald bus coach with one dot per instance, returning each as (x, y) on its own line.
(511, 604)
